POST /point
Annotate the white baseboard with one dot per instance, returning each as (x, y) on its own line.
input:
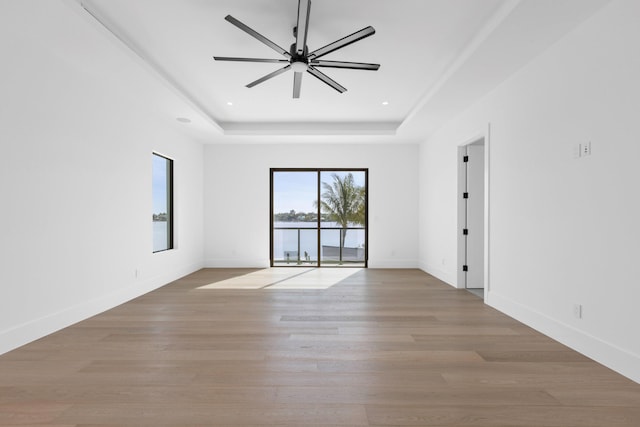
(264, 263)
(392, 263)
(237, 263)
(610, 355)
(32, 330)
(445, 276)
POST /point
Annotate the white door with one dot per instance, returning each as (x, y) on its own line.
(475, 216)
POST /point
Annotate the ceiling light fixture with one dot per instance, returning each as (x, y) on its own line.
(385, 102)
(229, 103)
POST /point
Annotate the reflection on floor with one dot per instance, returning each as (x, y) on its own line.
(479, 292)
(286, 278)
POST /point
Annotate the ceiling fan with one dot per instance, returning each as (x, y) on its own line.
(298, 58)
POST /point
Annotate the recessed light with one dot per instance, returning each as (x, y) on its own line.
(229, 103)
(183, 120)
(385, 102)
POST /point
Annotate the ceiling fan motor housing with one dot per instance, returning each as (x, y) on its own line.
(299, 63)
(296, 57)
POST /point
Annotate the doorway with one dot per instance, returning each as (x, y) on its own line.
(318, 217)
(471, 215)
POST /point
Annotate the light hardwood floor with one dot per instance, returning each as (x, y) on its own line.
(380, 348)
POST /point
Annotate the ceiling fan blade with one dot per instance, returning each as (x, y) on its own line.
(228, 58)
(257, 36)
(342, 64)
(302, 28)
(297, 84)
(269, 76)
(345, 41)
(326, 79)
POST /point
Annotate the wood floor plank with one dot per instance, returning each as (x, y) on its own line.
(425, 381)
(532, 356)
(30, 413)
(416, 395)
(215, 414)
(503, 416)
(596, 395)
(380, 348)
(122, 393)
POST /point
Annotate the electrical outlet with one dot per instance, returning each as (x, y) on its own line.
(577, 311)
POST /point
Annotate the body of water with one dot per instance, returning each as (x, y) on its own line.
(286, 241)
(160, 237)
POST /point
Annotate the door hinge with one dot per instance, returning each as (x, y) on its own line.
(465, 159)
(465, 195)
(465, 231)
(465, 268)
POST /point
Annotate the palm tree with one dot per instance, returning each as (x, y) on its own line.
(343, 202)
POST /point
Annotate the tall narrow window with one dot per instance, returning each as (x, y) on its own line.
(162, 171)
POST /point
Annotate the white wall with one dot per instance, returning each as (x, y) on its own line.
(77, 130)
(237, 198)
(562, 230)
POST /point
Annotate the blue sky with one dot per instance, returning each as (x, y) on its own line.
(298, 190)
(159, 174)
(294, 190)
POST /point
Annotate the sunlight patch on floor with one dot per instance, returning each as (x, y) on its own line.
(286, 278)
(319, 278)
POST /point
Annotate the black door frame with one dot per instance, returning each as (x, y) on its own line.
(318, 227)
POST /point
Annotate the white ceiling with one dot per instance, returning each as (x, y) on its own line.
(437, 57)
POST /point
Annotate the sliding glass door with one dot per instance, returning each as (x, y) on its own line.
(319, 217)
(294, 218)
